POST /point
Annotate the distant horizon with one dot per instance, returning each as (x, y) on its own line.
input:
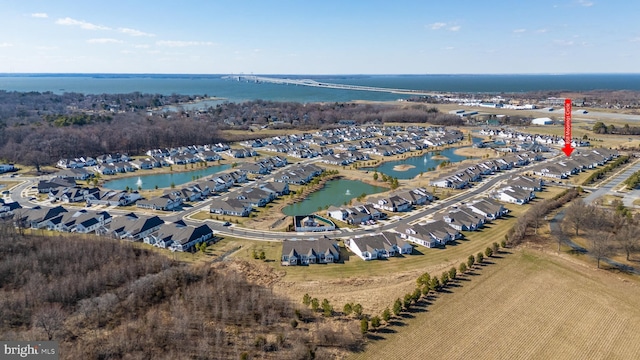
(318, 74)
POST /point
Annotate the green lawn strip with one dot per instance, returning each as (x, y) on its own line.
(473, 243)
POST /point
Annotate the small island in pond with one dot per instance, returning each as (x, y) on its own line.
(403, 167)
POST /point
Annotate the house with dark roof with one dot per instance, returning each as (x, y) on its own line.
(112, 198)
(277, 188)
(305, 252)
(166, 202)
(134, 227)
(393, 203)
(40, 218)
(44, 186)
(179, 237)
(233, 207)
(75, 173)
(83, 221)
(7, 209)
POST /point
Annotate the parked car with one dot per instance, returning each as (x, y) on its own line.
(226, 224)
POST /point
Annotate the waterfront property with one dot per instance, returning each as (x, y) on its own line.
(312, 223)
(335, 193)
(149, 182)
(305, 252)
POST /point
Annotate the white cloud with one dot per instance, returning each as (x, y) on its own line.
(585, 3)
(5, 44)
(517, 31)
(174, 43)
(541, 31)
(635, 39)
(81, 23)
(142, 46)
(443, 25)
(104, 41)
(134, 32)
(40, 15)
(449, 48)
(564, 42)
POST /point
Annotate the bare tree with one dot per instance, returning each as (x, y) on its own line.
(50, 318)
(601, 244)
(628, 238)
(536, 213)
(576, 214)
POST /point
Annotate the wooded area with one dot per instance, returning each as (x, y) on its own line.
(104, 299)
(41, 128)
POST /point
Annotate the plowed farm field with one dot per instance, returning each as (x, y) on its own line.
(527, 305)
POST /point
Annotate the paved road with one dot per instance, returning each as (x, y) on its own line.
(616, 180)
(476, 190)
(19, 194)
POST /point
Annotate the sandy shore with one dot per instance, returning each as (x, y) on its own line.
(403, 167)
(474, 152)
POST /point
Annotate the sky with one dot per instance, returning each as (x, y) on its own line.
(320, 37)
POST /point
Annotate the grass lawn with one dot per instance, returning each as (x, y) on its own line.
(528, 305)
(423, 257)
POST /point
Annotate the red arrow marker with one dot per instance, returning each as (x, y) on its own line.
(567, 128)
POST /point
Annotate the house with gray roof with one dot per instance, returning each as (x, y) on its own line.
(166, 202)
(488, 208)
(134, 227)
(305, 252)
(178, 236)
(233, 207)
(378, 246)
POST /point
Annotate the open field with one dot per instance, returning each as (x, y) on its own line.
(529, 305)
(376, 284)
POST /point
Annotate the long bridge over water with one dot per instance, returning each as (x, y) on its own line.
(314, 83)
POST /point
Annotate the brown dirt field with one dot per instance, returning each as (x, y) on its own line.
(528, 305)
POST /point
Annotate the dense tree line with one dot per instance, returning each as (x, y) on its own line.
(633, 181)
(40, 128)
(601, 128)
(104, 299)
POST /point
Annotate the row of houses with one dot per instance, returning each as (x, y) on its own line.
(152, 230)
(519, 190)
(517, 136)
(580, 160)
(399, 201)
(464, 177)
(447, 226)
(156, 157)
(259, 195)
(242, 203)
(379, 246)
